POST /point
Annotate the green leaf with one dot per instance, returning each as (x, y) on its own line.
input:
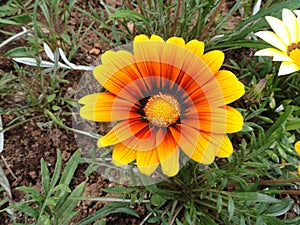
(255, 165)
(293, 221)
(155, 219)
(265, 119)
(259, 221)
(118, 190)
(33, 193)
(56, 108)
(69, 171)
(157, 199)
(105, 211)
(293, 124)
(210, 176)
(281, 151)
(254, 197)
(219, 203)
(242, 220)
(62, 187)
(273, 156)
(280, 208)
(57, 169)
(21, 51)
(22, 207)
(21, 19)
(7, 22)
(279, 124)
(62, 213)
(128, 14)
(50, 98)
(45, 220)
(230, 208)
(45, 177)
(274, 221)
(50, 201)
(66, 38)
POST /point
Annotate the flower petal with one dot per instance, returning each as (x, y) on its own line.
(106, 107)
(118, 59)
(287, 68)
(147, 56)
(156, 38)
(272, 39)
(147, 161)
(146, 139)
(298, 21)
(232, 88)
(122, 155)
(280, 29)
(176, 40)
(207, 147)
(193, 143)
(196, 47)
(214, 59)
(168, 155)
(297, 12)
(122, 131)
(226, 148)
(297, 147)
(234, 120)
(215, 120)
(277, 54)
(290, 21)
(119, 83)
(141, 37)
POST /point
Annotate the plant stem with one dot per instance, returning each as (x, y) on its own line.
(211, 20)
(140, 7)
(278, 181)
(176, 18)
(20, 123)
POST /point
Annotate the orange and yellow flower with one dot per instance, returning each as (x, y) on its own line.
(166, 98)
(285, 39)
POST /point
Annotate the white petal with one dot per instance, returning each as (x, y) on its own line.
(268, 52)
(287, 68)
(282, 57)
(280, 29)
(277, 54)
(256, 7)
(290, 20)
(298, 21)
(33, 62)
(72, 65)
(49, 52)
(272, 39)
(297, 12)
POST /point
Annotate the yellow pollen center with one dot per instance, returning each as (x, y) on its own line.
(294, 52)
(162, 110)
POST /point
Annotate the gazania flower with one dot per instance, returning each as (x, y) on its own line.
(166, 98)
(297, 147)
(285, 39)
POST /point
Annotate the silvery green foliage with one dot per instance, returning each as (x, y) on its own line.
(54, 63)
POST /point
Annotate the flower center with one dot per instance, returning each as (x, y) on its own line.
(162, 110)
(294, 52)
